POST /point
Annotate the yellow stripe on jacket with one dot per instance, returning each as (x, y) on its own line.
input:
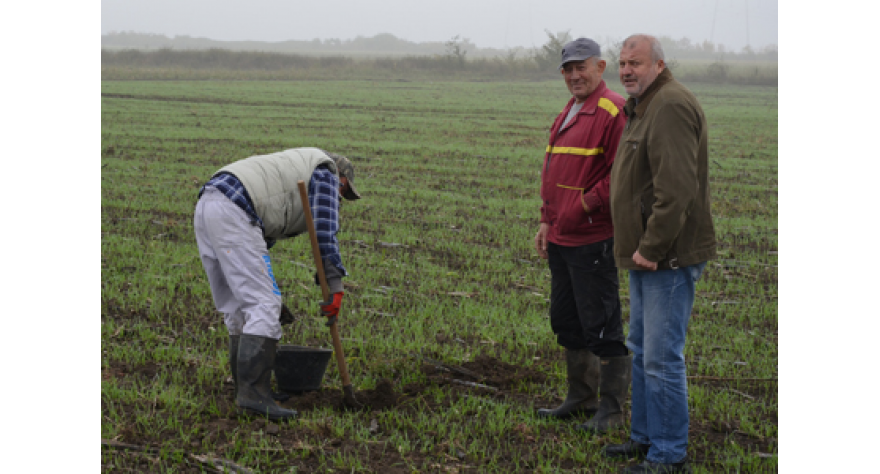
(609, 106)
(570, 150)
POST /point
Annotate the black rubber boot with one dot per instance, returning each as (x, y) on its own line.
(256, 359)
(630, 449)
(582, 368)
(613, 388)
(233, 366)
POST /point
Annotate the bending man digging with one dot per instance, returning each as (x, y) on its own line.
(242, 210)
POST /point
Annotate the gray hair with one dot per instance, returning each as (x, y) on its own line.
(656, 48)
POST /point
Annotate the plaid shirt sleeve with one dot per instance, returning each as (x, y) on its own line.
(324, 202)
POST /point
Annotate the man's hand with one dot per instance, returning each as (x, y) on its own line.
(541, 240)
(643, 262)
(330, 309)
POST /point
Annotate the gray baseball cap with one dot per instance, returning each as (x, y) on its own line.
(578, 50)
(346, 169)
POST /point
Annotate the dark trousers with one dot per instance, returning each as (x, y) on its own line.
(584, 298)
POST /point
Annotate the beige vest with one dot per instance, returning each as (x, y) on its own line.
(271, 181)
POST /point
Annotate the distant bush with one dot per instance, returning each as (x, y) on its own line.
(754, 73)
(762, 73)
(221, 64)
(217, 59)
(717, 71)
(224, 64)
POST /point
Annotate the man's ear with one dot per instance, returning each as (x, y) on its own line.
(601, 64)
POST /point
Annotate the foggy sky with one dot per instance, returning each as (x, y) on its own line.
(486, 23)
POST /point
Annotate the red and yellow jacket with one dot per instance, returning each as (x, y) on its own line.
(577, 168)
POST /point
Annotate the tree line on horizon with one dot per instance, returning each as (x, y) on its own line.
(386, 44)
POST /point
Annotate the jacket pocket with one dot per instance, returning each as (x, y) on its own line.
(571, 215)
(631, 145)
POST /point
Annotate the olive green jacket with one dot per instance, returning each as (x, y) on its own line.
(660, 182)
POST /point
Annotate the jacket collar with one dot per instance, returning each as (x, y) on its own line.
(592, 101)
(589, 106)
(638, 108)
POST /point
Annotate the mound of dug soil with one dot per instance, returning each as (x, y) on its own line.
(382, 397)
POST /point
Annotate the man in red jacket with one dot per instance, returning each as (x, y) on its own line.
(576, 237)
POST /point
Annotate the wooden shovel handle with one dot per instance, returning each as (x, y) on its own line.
(322, 279)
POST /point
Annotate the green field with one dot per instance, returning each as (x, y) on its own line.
(441, 264)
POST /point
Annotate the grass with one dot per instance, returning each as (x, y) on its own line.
(440, 258)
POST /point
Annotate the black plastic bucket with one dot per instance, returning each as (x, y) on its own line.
(300, 368)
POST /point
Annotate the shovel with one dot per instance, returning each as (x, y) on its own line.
(347, 390)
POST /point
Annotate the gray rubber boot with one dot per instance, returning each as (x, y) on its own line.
(614, 386)
(582, 368)
(256, 359)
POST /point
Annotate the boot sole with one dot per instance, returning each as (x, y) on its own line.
(568, 416)
(257, 413)
(641, 455)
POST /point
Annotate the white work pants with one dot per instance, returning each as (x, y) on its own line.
(237, 263)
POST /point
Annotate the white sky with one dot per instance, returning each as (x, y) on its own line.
(487, 23)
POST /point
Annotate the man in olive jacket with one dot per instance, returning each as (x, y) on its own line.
(663, 235)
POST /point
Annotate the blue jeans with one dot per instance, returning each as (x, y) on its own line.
(660, 307)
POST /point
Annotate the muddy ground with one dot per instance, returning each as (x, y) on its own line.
(485, 377)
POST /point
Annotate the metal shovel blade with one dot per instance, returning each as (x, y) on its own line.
(348, 397)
